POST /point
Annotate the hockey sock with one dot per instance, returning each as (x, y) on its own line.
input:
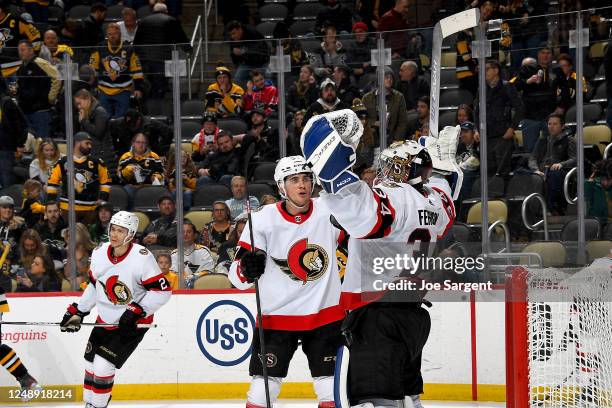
(103, 380)
(324, 388)
(88, 382)
(11, 361)
(327, 404)
(256, 397)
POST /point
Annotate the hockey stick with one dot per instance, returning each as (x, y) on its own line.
(262, 344)
(140, 326)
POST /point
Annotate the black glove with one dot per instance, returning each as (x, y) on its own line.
(127, 321)
(252, 265)
(71, 322)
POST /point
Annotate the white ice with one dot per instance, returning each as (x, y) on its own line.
(241, 404)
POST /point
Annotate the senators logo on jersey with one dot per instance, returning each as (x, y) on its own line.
(305, 262)
(116, 291)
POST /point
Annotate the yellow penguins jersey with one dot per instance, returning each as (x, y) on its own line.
(197, 259)
(231, 102)
(117, 68)
(141, 169)
(4, 306)
(91, 182)
(115, 282)
(12, 30)
(300, 288)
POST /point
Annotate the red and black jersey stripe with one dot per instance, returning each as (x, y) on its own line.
(385, 213)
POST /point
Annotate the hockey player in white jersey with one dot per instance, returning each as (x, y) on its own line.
(404, 206)
(127, 287)
(295, 263)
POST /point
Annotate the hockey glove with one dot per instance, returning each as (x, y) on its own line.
(252, 265)
(71, 322)
(443, 152)
(127, 321)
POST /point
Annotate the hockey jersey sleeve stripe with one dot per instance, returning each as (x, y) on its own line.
(158, 282)
(449, 208)
(91, 277)
(385, 213)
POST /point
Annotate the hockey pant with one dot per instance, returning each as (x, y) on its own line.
(10, 360)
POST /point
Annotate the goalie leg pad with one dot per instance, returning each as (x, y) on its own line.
(256, 396)
(341, 396)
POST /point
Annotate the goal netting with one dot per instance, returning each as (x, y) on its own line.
(561, 337)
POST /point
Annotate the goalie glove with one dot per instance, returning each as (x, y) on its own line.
(443, 152)
(329, 142)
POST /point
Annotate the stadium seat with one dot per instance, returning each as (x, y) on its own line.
(569, 232)
(61, 146)
(118, 198)
(213, 281)
(522, 185)
(158, 107)
(143, 11)
(205, 196)
(306, 11)
(192, 107)
(498, 210)
(496, 189)
(143, 221)
(260, 189)
(300, 28)
(15, 192)
(189, 128)
(56, 14)
(232, 125)
(113, 13)
(448, 79)
(598, 135)
(20, 174)
(607, 232)
(264, 172)
(273, 12)
(80, 12)
(518, 137)
(449, 59)
(145, 198)
(597, 50)
(600, 95)
(266, 28)
(199, 218)
(447, 118)
(452, 98)
(592, 113)
(461, 232)
(598, 249)
(553, 253)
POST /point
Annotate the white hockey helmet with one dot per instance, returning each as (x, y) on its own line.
(288, 166)
(127, 220)
(404, 162)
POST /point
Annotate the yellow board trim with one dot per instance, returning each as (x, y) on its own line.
(290, 390)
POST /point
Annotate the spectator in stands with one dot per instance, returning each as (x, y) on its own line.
(197, 259)
(93, 120)
(419, 126)
(537, 83)
(261, 142)
(566, 83)
(189, 176)
(221, 165)
(13, 134)
(128, 25)
(38, 87)
(394, 20)
(328, 101)
(227, 250)
(160, 135)
(11, 229)
(607, 64)
(154, 34)
(370, 11)
(345, 91)
(30, 245)
(162, 230)
(248, 50)
(119, 71)
(14, 29)
(365, 149)
(50, 229)
(411, 85)
(47, 155)
(90, 33)
(397, 118)
(267, 199)
(336, 14)
(329, 55)
(140, 167)
(303, 92)
(358, 53)
(502, 99)
(91, 182)
(598, 191)
(260, 94)
(41, 276)
(216, 232)
(224, 97)
(527, 31)
(87, 80)
(237, 204)
(294, 133)
(291, 47)
(368, 175)
(84, 247)
(552, 157)
(468, 158)
(164, 261)
(98, 231)
(205, 141)
(32, 209)
(464, 114)
(52, 50)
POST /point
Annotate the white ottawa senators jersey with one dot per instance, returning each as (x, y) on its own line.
(197, 260)
(300, 288)
(116, 282)
(389, 212)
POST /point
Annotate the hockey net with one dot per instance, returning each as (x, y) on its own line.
(559, 338)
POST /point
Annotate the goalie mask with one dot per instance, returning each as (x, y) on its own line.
(405, 162)
(289, 166)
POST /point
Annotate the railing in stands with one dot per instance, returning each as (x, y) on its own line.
(608, 152)
(566, 183)
(543, 221)
(196, 54)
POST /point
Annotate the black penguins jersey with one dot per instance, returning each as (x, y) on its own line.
(12, 30)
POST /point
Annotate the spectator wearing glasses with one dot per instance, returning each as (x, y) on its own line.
(237, 204)
(215, 233)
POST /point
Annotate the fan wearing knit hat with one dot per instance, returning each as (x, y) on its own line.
(223, 96)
